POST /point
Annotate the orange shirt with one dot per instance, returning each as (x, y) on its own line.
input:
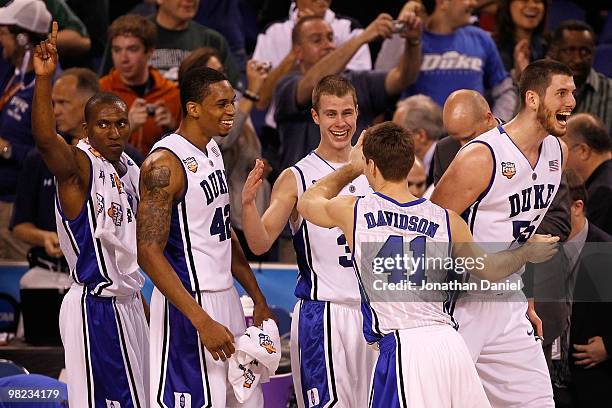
(145, 137)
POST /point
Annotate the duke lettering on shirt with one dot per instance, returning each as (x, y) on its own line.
(214, 185)
(525, 201)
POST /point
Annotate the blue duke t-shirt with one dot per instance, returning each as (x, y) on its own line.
(465, 59)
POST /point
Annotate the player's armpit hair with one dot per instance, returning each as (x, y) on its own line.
(155, 206)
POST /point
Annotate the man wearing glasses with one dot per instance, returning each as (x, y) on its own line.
(573, 43)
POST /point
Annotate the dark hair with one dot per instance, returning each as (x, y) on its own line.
(295, 33)
(102, 97)
(569, 25)
(332, 85)
(391, 147)
(195, 85)
(505, 26)
(537, 76)
(87, 80)
(135, 26)
(590, 130)
(197, 58)
(575, 184)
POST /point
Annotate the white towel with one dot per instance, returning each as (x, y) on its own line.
(257, 356)
(113, 228)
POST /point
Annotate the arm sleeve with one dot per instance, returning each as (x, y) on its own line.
(285, 97)
(598, 206)
(26, 199)
(65, 17)
(556, 221)
(390, 53)
(372, 83)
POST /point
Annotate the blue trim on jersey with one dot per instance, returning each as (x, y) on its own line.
(316, 358)
(503, 132)
(561, 152)
(448, 306)
(470, 212)
(324, 161)
(174, 250)
(303, 288)
(303, 251)
(371, 326)
(385, 392)
(408, 204)
(182, 367)
(112, 378)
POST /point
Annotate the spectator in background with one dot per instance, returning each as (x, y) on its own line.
(315, 48)
(590, 156)
(153, 101)
(23, 24)
(573, 43)
(422, 117)
(72, 39)
(519, 33)
(590, 335)
(241, 146)
(178, 35)
(456, 56)
(417, 179)
(274, 43)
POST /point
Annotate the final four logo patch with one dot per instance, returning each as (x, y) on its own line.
(508, 169)
(191, 163)
(265, 342)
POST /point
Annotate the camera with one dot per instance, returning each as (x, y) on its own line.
(151, 109)
(399, 26)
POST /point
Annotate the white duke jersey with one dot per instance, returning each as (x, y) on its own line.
(199, 242)
(418, 234)
(510, 210)
(91, 263)
(323, 256)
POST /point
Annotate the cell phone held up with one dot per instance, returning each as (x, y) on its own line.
(151, 107)
(399, 26)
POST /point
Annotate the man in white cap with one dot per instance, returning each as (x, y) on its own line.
(23, 23)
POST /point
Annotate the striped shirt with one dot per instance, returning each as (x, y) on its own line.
(595, 97)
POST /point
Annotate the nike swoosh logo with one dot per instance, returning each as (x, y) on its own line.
(530, 333)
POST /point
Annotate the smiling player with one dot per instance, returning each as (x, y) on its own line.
(503, 182)
(333, 362)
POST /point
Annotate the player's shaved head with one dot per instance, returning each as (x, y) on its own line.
(466, 114)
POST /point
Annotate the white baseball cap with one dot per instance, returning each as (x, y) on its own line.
(31, 15)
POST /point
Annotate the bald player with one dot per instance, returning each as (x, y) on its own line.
(466, 114)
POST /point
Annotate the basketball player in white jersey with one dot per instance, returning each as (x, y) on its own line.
(519, 170)
(423, 360)
(102, 320)
(331, 364)
(186, 246)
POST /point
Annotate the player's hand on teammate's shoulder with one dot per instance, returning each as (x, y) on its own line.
(540, 248)
(252, 183)
(45, 54)
(356, 159)
(217, 339)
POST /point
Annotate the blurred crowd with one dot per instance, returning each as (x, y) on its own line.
(274, 52)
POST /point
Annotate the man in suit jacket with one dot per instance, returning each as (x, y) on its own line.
(590, 156)
(590, 335)
(467, 114)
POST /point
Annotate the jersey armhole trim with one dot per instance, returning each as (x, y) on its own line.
(450, 235)
(87, 194)
(300, 220)
(182, 197)
(560, 151)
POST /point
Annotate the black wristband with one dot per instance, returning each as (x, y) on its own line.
(251, 96)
